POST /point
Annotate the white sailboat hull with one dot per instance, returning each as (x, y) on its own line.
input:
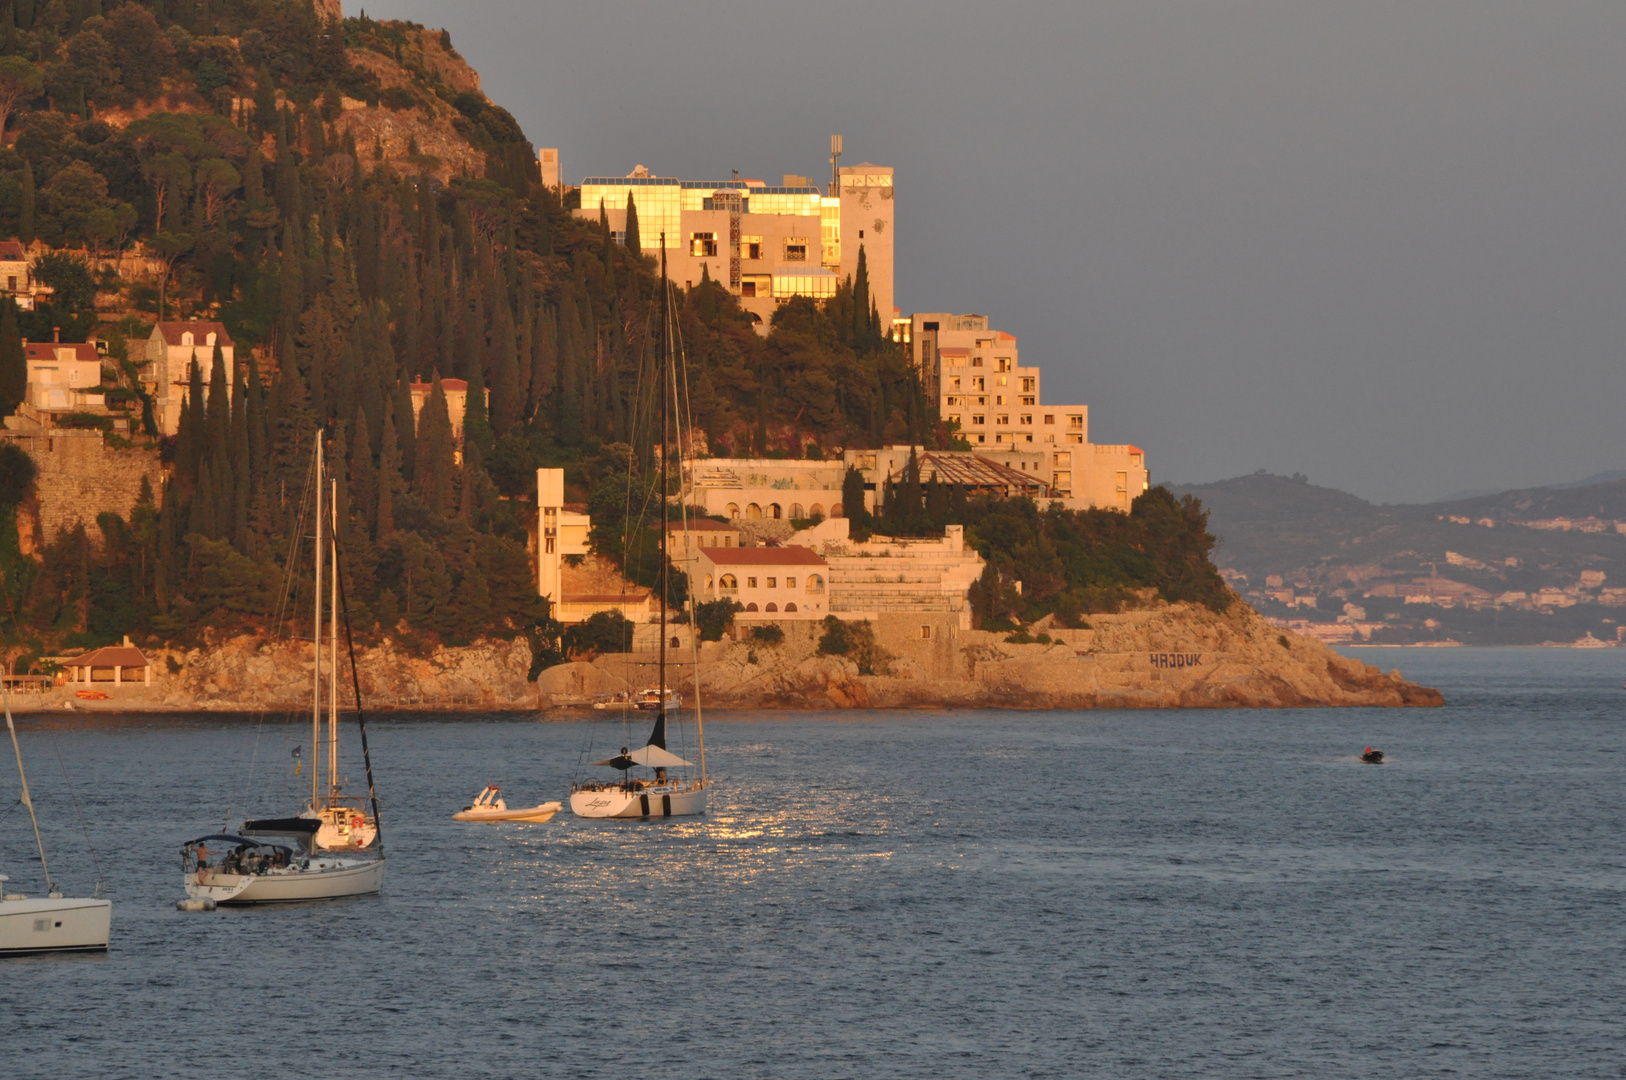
(323, 879)
(54, 925)
(654, 802)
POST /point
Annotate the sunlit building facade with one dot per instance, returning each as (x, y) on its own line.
(981, 385)
(766, 244)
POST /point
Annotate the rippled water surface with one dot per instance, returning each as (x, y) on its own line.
(944, 895)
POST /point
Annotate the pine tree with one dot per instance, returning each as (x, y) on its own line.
(13, 360)
(241, 467)
(634, 241)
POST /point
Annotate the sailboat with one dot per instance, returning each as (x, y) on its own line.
(664, 795)
(53, 923)
(250, 870)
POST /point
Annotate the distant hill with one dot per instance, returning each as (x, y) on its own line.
(1517, 567)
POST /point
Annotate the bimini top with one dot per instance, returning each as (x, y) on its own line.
(230, 839)
(650, 757)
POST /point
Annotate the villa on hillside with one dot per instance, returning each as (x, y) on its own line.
(172, 349)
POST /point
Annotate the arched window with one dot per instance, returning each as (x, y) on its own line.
(835, 511)
(753, 512)
(795, 510)
(752, 606)
(816, 512)
(673, 643)
(790, 609)
(815, 583)
(728, 583)
(709, 582)
(734, 511)
(773, 511)
(771, 606)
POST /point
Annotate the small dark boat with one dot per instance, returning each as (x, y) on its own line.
(1372, 757)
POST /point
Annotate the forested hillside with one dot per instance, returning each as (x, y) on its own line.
(344, 198)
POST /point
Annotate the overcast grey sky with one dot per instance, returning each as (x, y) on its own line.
(1383, 244)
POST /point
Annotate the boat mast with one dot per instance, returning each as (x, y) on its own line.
(316, 640)
(50, 890)
(333, 644)
(664, 356)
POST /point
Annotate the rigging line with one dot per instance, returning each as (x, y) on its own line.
(22, 778)
(284, 599)
(355, 683)
(687, 417)
(78, 810)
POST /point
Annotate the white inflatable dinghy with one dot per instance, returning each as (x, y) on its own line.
(489, 806)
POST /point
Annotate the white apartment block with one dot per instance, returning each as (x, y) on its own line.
(980, 384)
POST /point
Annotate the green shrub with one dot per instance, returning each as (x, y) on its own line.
(768, 633)
(714, 617)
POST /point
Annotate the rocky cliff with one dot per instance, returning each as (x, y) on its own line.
(1169, 656)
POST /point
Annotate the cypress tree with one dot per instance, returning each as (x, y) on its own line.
(291, 295)
(389, 480)
(363, 476)
(13, 360)
(861, 304)
(200, 519)
(507, 398)
(544, 363)
(25, 220)
(406, 426)
(241, 466)
(634, 241)
(476, 417)
(432, 472)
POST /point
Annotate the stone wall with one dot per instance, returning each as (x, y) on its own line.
(80, 476)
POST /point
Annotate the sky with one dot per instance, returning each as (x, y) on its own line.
(1382, 244)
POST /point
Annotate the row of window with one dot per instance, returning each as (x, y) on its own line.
(1074, 422)
(980, 383)
(729, 583)
(703, 245)
(753, 512)
(999, 399)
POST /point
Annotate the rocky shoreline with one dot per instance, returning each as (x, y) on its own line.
(1162, 657)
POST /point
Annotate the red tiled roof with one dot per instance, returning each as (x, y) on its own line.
(172, 332)
(782, 556)
(111, 656)
(638, 597)
(47, 350)
(1003, 336)
(448, 384)
(12, 251)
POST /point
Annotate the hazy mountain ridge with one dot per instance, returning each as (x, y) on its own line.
(1523, 566)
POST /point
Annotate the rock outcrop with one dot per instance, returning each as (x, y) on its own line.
(1163, 657)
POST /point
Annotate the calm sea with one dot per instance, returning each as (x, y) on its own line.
(897, 894)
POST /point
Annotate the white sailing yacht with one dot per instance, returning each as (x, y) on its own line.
(52, 923)
(249, 870)
(665, 795)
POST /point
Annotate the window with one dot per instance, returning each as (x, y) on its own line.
(982, 401)
(1027, 384)
(1028, 437)
(982, 438)
(795, 249)
(815, 583)
(1064, 480)
(1028, 399)
(925, 633)
(728, 583)
(1026, 420)
(753, 512)
(1003, 419)
(750, 583)
(979, 383)
(756, 285)
(771, 606)
(1004, 380)
(1075, 422)
(1004, 364)
(1075, 438)
(752, 606)
(978, 421)
(790, 583)
(1062, 458)
(701, 244)
(11, 283)
(733, 511)
(1050, 418)
(796, 511)
(976, 361)
(954, 383)
(751, 247)
(773, 583)
(999, 399)
(816, 512)
(790, 608)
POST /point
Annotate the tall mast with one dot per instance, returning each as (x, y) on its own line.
(333, 644)
(316, 639)
(22, 777)
(666, 321)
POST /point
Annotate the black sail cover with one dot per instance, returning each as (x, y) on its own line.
(658, 736)
(283, 826)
